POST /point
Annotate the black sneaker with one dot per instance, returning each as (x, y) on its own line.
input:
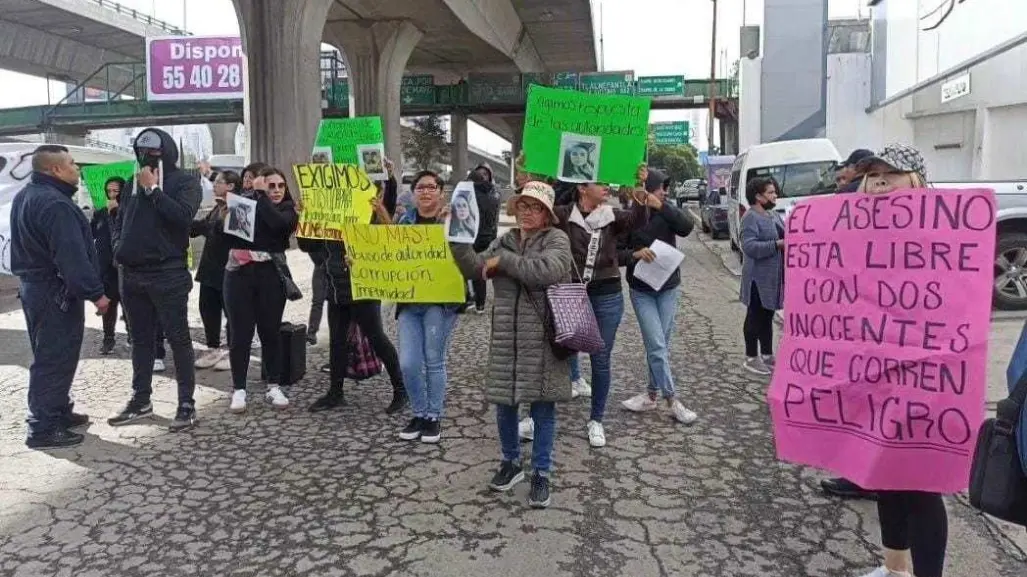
(107, 347)
(185, 418)
(55, 440)
(539, 496)
(133, 411)
(332, 400)
(506, 477)
(311, 339)
(479, 309)
(399, 402)
(73, 420)
(432, 431)
(413, 429)
(846, 489)
(326, 369)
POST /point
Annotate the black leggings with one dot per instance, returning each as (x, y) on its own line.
(758, 327)
(918, 522)
(110, 321)
(212, 304)
(255, 298)
(480, 292)
(367, 315)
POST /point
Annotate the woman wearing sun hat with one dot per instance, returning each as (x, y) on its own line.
(522, 367)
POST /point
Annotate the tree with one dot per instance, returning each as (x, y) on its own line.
(425, 143)
(678, 161)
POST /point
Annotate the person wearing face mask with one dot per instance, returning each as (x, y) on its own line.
(488, 199)
(52, 255)
(151, 243)
(103, 239)
(593, 227)
(849, 178)
(762, 232)
(210, 271)
(914, 524)
(254, 286)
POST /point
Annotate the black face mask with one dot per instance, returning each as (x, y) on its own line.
(149, 160)
(482, 187)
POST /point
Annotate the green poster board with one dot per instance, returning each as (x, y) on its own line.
(573, 136)
(94, 176)
(343, 135)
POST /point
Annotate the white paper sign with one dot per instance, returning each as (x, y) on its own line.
(241, 219)
(5, 238)
(462, 222)
(654, 274)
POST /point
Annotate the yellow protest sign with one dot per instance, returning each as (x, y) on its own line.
(403, 264)
(333, 195)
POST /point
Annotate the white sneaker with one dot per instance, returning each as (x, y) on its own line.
(276, 397)
(640, 403)
(580, 388)
(683, 415)
(769, 360)
(238, 401)
(596, 435)
(526, 429)
(755, 365)
(158, 366)
(223, 364)
(210, 358)
(884, 572)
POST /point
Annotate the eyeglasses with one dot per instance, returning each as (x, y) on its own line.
(426, 187)
(276, 186)
(530, 207)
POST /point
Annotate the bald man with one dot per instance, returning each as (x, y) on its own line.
(53, 256)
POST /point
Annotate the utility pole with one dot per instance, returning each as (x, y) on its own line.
(602, 47)
(713, 80)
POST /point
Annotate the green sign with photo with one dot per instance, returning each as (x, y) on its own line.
(343, 135)
(94, 177)
(612, 130)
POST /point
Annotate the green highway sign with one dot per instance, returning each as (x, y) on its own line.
(419, 90)
(495, 88)
(661, 85)
(565, 80)
(607, 83)
(670, 133)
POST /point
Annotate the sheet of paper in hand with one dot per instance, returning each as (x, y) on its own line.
(242, 216)
(462, 222)
(656, 273)
(882, 371)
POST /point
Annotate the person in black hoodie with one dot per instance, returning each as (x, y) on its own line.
(151, 242)
(210, 272)
(254, 289)
(655, 308)
(487, 197)
(104, 241)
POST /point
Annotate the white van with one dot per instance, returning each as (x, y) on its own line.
(15, 170)
(801, 168)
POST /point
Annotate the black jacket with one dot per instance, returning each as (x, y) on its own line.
(488, 201)
(332, 255)
(210, 271)
(665, 224)
(151, 231)
(275, 223)
(103, 241)
(50, 238)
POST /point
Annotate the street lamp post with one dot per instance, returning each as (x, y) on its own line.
(713, 80)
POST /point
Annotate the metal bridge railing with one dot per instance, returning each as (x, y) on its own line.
(141, 17)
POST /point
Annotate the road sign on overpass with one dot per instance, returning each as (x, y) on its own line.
(670, 133)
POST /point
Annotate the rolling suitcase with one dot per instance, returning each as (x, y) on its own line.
(293, 340)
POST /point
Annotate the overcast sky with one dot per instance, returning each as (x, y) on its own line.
(651, 37)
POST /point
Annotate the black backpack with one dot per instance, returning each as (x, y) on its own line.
(998, 485)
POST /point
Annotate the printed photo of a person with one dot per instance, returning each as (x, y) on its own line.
(372, 161)
(322, 155)
(463, 218)
(240, 220)
(579, 158)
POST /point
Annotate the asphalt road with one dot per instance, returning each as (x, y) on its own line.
(290, 493)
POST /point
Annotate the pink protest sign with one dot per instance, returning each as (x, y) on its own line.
(194, 68)
(881, 373)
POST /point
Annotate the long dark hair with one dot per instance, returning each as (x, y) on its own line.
(121, 185)
(271, 171)
(255, 168)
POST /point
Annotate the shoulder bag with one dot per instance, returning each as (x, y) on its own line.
(998, 485)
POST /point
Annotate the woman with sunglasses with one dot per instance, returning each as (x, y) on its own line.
(254, 289)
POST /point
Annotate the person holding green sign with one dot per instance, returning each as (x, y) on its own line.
(104, 241)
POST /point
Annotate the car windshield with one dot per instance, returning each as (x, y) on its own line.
(796, 180)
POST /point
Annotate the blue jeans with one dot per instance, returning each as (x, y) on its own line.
(655, 312)
(608, 310)
(544, 416)
(424, 332)
(575, 368)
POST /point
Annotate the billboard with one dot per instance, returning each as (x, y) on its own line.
(194, 68)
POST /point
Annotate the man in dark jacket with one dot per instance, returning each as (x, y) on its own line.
(52, 254)
(487, 197)
(151, 242)
(849, 177)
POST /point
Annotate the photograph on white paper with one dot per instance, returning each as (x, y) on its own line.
(242, 216)
(372, 160)
(462, 221)
(322, 155)
(579, 157)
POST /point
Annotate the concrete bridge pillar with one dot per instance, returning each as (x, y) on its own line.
(458, 146)
(376, 55)
(67, 136)
(223, 137)
(516, 124)
(282, 40)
